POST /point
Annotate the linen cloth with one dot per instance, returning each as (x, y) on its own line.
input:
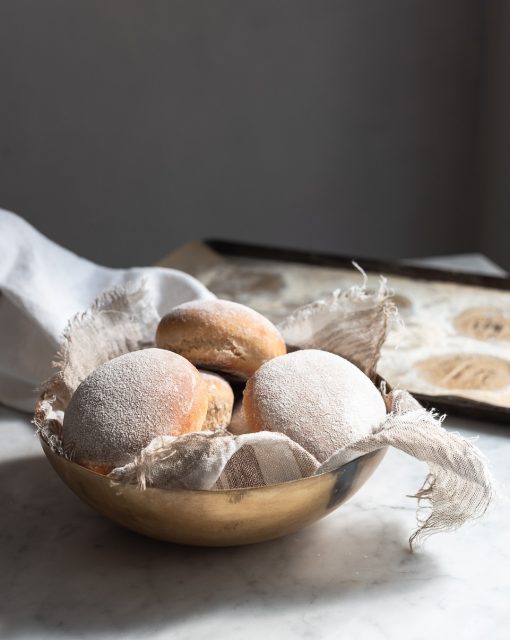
(42, 286)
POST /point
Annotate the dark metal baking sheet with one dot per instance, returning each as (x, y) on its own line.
(450, 403)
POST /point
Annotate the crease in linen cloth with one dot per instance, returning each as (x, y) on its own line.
(42, 286)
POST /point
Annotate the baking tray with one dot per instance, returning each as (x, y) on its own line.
(450, 403)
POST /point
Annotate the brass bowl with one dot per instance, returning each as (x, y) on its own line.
(218, 518)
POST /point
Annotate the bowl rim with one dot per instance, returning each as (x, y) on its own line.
(48, 451)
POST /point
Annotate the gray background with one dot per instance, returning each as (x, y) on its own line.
(358, 127)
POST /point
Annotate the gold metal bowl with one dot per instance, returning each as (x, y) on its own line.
(218, 518)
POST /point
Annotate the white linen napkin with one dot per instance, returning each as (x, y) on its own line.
(42, 286)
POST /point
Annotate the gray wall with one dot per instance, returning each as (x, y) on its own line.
(128, 128)
(495, 138)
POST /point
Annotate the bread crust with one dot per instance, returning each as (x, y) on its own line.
(220, 401)
(238, 424)
(126, 402)
(220, 335)
(318, 399)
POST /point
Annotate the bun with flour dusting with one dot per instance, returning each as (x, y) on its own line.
(220, 335)
(221, 401)
(126, 402)
(316, 398)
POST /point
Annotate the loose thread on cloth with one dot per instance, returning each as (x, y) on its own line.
(352, 323)
(120, 320)
(458, 487)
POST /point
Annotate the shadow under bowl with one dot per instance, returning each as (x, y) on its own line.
(217, 518)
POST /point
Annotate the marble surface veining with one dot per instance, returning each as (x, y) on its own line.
(66, 572)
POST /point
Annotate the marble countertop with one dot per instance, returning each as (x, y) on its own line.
(66, 572)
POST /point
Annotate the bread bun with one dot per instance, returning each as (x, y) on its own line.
(126, 402)
(316, 398)
(220, 335)
(238, 424)
(221, 401)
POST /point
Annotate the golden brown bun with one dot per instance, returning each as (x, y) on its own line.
(103, 469)
(238, 424)
(220, 335)
(126, 402)
(318, 399)
(221, 401)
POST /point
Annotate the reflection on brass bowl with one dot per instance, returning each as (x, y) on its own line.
(218, 518)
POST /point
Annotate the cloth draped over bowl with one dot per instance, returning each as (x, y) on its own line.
(352, 323)
(42, 285)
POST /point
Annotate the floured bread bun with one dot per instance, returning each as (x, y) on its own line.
(316, 398)
(220, 335)
(126, 402)
(220, 403)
